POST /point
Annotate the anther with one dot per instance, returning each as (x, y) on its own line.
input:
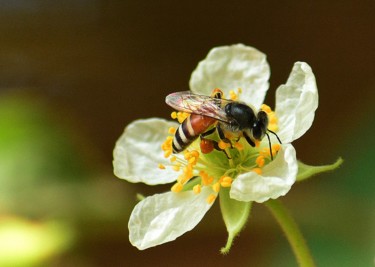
(238, 145)
(216, 187)
(223, 145)
(226, 181)
(260, 161)
(172, 130)
(197, 189)
(177, 187)
(257, 170)
(161, 166)
(211, 198)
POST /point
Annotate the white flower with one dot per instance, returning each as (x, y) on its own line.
(250, 174)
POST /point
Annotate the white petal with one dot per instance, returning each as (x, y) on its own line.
(138, 152)
(275, 181)
(164, 217)
(296, 102)
(233, 67)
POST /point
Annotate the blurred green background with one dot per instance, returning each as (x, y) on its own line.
(73, 74)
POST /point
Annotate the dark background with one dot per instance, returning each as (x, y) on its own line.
(77, 72)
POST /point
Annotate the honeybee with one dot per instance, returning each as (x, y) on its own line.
(213, 113)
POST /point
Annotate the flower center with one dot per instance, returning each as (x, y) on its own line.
(217, 168)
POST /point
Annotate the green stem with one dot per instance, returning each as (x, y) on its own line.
(292, 232)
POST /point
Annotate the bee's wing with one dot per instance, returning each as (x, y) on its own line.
(189, 102)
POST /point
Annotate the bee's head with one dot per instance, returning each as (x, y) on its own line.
(259, 127)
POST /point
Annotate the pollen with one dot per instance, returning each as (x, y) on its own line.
(257, 170)
(276, 147)
(226, 181)
(266, 108)
(223, 145)
(216, 187)
(206, 179)
(211, 198)
(172, 130)
(173, 159)
(161, 166)
(238, 145)
(174, 115)
(181, 116)
(176, 167)
(177, 187)
(260, 161)
(265, 152)
(233, 95)
(197, 189)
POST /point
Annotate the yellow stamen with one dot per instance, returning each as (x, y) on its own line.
(176, 167)
(257, 170)
(223, 145)
(211, 198)
(238, 145)
(276, 147)
(195, 153)
(161, 166)
(172, 130)
(226, 181)
(257, 143)
(192, 160)
(177, 187)
(174, 115)
(173, 159)
(233, 95)
(265, 152)
(260, 161)
(206, 180)
(266, 108)
(167, 153)
(197, 189)
(216, 187)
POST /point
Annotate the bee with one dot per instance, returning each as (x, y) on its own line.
(213, 113)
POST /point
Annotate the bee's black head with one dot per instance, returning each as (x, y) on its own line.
(260, 125)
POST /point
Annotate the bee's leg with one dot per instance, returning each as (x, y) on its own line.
(222, 136)
(248, 139)
(207, 145)
(211, 131)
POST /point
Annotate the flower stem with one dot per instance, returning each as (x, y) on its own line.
(292, 232)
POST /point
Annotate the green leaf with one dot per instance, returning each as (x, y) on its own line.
(235, 214)
(306, 171)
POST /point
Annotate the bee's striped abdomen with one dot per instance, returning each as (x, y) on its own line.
(189, 130)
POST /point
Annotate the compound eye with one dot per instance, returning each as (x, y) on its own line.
(258, 132)
(260, 127)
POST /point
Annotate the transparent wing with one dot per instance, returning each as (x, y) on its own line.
(189, 102)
